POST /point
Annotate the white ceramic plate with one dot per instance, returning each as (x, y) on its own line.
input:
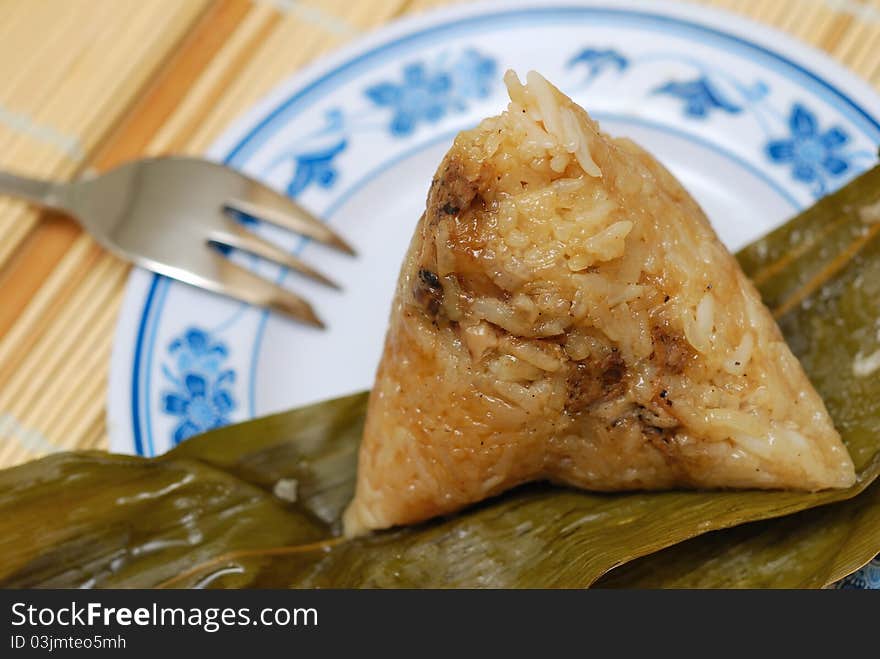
(754, 124)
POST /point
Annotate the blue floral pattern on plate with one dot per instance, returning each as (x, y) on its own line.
(425, 93)
(598, 60)
(199, 395)
(420, 96)
(429, 93)
(814, 155)
(700, 97)
(315, 167)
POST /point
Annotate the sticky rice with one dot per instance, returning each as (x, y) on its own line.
(567, 313)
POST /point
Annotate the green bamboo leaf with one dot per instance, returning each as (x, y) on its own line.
(810, 549)
(258, 504)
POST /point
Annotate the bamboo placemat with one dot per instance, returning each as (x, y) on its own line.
(87, 84)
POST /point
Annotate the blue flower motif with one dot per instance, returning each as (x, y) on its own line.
(700, 97)
(200, 397)
(472, 77)
(598, 60)
(421, 95)
(315, 167)
(866, 578)
(429, 94)
(812, 154)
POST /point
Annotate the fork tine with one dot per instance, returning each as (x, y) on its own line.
(240, 238)
(266, 204)
(242, 284)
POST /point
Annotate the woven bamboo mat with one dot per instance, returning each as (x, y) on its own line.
(87, 84)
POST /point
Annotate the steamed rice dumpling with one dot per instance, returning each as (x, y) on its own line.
(565, 312)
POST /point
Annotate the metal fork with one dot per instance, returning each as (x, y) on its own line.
(175, 216)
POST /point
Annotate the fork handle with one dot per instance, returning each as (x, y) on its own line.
(34, 190)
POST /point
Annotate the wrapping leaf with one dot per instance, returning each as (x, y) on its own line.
(219, 510)
(810, 549)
